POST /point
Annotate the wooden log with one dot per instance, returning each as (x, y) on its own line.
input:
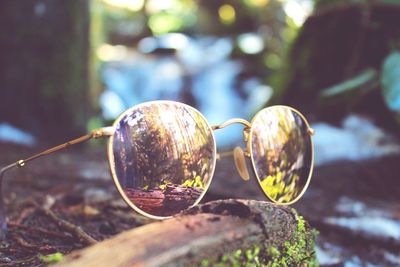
(223, 232)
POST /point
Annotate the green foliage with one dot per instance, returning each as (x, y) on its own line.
(204, 263)
(278, 189)
(329, 3)
(315, 62)
(52, 258)
(196, 182)
(397, 2)
(390, 80)
(355, 83)
(248, 257)
(94, 123)
(293, 252)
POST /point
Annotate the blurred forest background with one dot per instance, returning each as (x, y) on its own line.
(67, 67)
(70, 66)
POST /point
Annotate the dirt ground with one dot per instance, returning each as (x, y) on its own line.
(68, 201)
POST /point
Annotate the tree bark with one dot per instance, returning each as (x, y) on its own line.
(44, 66)
(225, 232)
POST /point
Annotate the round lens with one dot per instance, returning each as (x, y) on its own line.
(281, 152)
(162, 157)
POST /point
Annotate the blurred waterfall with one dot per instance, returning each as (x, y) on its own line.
(196, 71)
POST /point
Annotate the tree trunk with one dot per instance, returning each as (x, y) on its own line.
(225, 232)
(43, 66)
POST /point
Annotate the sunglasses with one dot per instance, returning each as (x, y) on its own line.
(162, 156)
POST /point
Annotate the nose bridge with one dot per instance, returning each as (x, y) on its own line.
(232, 121)
(246, 129)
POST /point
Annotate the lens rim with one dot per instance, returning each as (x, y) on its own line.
(250, 148)
(111, 159)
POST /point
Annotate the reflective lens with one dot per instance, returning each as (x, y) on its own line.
(281, 152)
(162, 157)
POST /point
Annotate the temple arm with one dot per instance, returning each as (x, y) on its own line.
(224, 154)
(107, 131)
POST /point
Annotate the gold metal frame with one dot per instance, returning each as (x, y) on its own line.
(109, 132)
(98, 133)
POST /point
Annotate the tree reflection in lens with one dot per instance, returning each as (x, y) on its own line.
(164, 155)
(281, 152)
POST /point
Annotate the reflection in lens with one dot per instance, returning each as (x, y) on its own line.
(164, 156)
(281, 152)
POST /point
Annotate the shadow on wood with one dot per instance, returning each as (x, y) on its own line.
(229, 232)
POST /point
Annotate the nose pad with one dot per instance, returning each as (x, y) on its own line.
(240, 163)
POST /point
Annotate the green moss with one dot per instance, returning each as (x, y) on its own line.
(51, 258)
(204, 263)
(273, 252)
(298, 251)
(248, 257)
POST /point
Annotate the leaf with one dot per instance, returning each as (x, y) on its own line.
(365, 78)
(52, 258)
(390, 81)
(393, 2)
